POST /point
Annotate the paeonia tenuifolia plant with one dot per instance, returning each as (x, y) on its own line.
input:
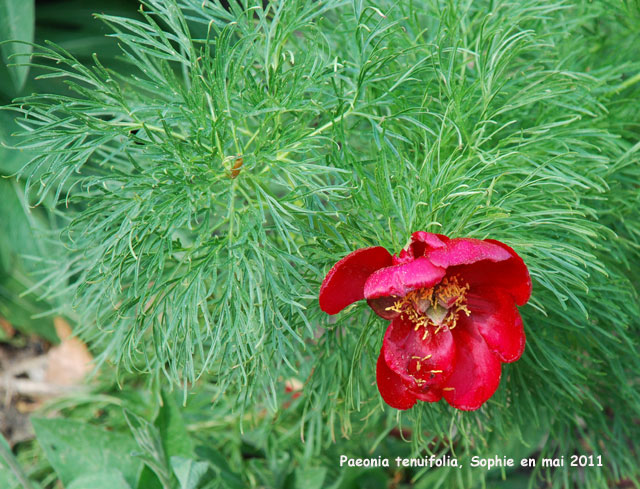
(452, 306)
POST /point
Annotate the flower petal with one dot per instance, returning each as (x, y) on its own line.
(477, 371)
(420, 360)
(399, 279)
(464, 251)
(496, 317)
(381, 306)
(518, 278)
(344, 284)
(428, 395)
(486, 262)
(418, 245)
(391, 388)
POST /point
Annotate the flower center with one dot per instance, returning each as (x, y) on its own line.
(435, 307)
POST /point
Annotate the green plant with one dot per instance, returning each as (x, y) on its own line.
(209, 187)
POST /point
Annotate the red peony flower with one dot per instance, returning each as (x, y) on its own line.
(452, 306)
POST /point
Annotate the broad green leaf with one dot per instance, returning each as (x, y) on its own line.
(188, 472)
(7, 479)
(75, 449)
(151, 450)
(310, 477)
(107, 479)
(18, 239)
(11, 160)
(358, 478)
(148, 479)
(16, 235)
(221, 466)
(74, 27)
(175, 438)
(16, 23)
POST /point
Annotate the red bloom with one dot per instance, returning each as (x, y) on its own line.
(452, 306)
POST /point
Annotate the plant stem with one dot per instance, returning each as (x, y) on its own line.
(625, 84)
(329, 124)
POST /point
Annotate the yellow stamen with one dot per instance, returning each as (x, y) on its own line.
(422, 359)
(464, 308)
(396, 307)
(436, 307)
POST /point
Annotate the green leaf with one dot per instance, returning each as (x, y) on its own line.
(175, 439)
(310, 477)
(75, 29)
(11, 160)
(108, 479)
(74, 449)
(17, 239)
(188, 472)
(148, 438)
(17, 22)
(221, 466)
(148, 479)
(7, 479)
(17, 235)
